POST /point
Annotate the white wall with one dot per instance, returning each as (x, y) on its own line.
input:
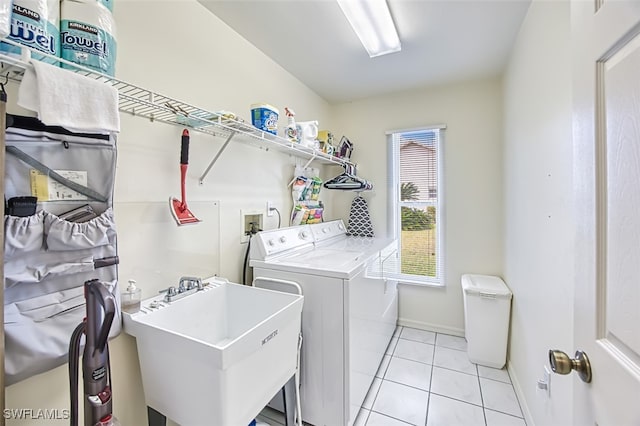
(472, 112)
(179, 49)
(538, 262)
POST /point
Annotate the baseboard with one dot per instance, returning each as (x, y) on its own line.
(431, 327)
(521, 399)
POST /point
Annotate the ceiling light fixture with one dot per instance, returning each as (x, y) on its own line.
(372, 22)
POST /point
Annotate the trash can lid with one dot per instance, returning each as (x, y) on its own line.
(485, 284)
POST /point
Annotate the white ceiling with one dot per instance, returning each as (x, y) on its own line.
(442, 41)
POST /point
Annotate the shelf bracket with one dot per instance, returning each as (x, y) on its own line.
(224, 146)
(304, 167)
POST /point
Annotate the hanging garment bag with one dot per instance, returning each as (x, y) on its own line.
(69, 239)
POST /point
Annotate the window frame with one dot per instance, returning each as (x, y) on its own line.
(394, 205)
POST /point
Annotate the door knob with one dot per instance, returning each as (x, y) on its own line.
(562, 364)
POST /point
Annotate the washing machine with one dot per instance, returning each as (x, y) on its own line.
(349, 314)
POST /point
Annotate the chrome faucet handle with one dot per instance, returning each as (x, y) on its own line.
(181, 287)
(191, 283)
(197, 284)
(171, 292)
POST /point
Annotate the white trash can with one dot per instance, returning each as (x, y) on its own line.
(487, 305)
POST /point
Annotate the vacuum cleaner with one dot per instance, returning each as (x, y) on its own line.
(96, 371)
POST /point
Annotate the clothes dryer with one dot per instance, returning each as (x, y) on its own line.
(349, 313)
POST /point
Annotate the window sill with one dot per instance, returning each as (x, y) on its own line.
(408, 280)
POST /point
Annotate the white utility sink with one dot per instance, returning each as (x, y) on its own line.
(218, 356)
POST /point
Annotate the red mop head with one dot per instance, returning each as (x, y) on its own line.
(181, 212)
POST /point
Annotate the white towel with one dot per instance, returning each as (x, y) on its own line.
(63, 98)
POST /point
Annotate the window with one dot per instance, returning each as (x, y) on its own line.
(416, 203)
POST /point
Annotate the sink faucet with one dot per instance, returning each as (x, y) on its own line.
(186, 286)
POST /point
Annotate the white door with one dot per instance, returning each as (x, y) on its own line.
(606, 75)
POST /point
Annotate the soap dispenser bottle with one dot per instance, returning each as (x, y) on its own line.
(131, 298)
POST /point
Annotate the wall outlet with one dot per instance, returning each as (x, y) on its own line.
(269, 207)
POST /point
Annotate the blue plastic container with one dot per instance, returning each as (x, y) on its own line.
(265, 117)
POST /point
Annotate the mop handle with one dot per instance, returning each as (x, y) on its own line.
(184, 147)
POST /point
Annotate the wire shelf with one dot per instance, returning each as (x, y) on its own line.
(154, 106)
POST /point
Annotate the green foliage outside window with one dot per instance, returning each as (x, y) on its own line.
(414, 219)
(417, 219)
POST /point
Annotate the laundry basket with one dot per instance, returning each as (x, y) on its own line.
(487, 305)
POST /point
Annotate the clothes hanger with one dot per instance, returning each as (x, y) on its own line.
(348, 180)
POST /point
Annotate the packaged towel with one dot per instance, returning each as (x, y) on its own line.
(73, 101)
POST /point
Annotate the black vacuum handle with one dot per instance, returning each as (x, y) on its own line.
(184, 148)
(106, 299)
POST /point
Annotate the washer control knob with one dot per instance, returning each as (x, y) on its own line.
(325, 230)
(304, 235)
(283, 239)
(271, 243)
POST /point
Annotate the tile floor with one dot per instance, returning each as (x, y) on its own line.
(426, 379)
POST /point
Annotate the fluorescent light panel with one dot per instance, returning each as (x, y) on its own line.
(371, 21)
